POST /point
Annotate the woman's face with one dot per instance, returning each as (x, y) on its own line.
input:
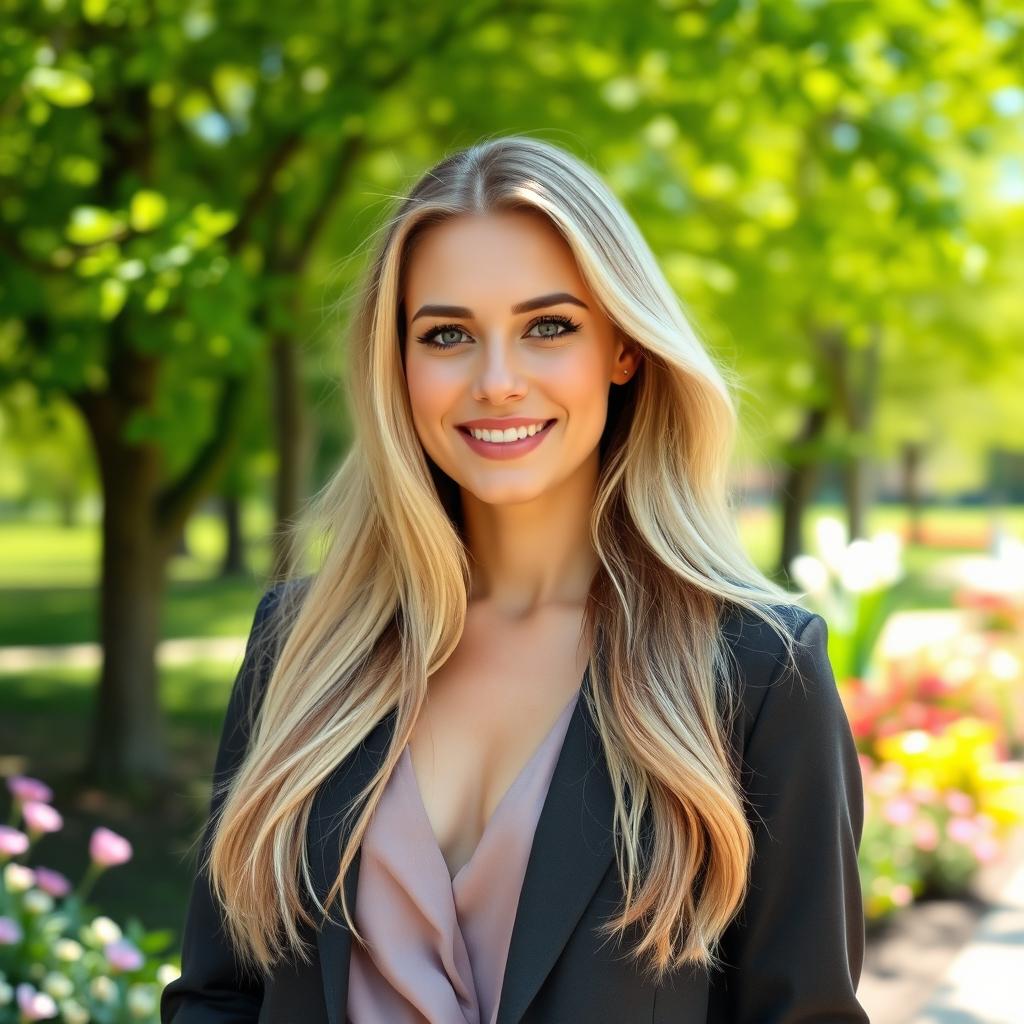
(524, 345)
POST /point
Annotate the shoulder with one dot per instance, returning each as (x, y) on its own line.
(272, 619)
(281, 596)
(760, 661)
(274, 614)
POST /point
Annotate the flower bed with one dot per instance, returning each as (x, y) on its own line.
(58, 957)
(938, 720)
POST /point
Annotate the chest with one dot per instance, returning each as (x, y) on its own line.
(488, 710)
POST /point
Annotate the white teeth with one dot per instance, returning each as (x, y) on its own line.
(504, 436)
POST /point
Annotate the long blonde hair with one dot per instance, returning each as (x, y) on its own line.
(387, 603)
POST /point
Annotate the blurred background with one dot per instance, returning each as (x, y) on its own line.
(836, 191)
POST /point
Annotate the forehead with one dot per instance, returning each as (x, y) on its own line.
(511, 255)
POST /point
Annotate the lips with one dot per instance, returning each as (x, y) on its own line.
(503, 450)
(467, 430)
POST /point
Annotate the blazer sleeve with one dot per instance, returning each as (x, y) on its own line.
(794, 952)
(212, 988)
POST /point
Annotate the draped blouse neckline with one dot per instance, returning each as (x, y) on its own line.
(411, 785)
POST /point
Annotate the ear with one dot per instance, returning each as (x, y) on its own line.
(627, 357)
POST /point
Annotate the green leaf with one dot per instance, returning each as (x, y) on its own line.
(59, 87)
(92, 224)
(113, 294)
(148, 210)
(213, 222)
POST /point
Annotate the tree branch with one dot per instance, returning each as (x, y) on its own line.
(178, 498)
(344, 159)
(254, 203)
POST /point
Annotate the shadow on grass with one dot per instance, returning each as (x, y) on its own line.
(68, 614)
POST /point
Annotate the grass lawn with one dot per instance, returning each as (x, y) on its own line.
(43, 732)
(49, 573)
(48, 591)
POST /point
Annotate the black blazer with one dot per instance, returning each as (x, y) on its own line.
(794, 951)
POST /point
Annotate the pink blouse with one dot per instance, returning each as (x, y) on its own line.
(439, 944)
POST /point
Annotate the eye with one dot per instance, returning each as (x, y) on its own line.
(436, 336)
(568, 325)
(429, 337)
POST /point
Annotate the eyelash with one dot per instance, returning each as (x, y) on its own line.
(568, 323)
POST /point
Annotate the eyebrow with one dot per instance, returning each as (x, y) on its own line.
(520, 307)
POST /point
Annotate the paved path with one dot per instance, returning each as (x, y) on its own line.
(985, 982)
(953, 961)
(169, 652)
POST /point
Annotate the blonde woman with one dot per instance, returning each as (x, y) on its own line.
(536, 742)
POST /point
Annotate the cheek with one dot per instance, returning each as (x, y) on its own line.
(580, 385)
(432, 386)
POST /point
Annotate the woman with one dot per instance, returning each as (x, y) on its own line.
(536, 741)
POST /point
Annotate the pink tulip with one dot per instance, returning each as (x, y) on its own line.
(52, 882)
(34, 1005)
(13, 842)
(961, 830)
(985, 822)
(24, 787)
(40, 817)
(10, 931)
(985, 849)
(899, 810)
(923, 793)
(901, 894)
(123, 955)
(931, 687)
(108, 849)
(926, 835)
(959, 802)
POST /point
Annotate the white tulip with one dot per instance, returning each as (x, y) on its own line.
(18, 878)
(37, 902)
(103, 988)
(859, 570)
(73, 1012)
(831, 539)
(105, 930)
(68, 950)
(141, 1000)
(889, 550)
(811, 574)
(166, 973)
(58, 985)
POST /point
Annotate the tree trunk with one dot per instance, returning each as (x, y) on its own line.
(855, 372)
(798, 487)
(234, 548)
(127, 740)
(911, 469)
(292, 441)
(143, 517)
(127, 735)
(181, 545)
(857, 491)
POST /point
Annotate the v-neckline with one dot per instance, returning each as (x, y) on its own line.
(513, 785)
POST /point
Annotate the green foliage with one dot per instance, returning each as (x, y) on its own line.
(179, 181)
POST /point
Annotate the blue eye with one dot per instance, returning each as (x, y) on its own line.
(568, 325)
(436, 332)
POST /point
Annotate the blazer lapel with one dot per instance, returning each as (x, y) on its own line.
(571, 852)
(324, 839)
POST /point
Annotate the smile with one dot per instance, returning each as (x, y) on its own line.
(506, 449)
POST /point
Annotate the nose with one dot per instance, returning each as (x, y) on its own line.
(497, 377)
